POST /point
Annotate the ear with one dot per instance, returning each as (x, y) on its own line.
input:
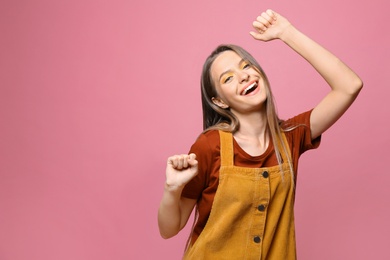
(219, 102)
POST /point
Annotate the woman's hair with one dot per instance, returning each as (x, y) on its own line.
(217, 118)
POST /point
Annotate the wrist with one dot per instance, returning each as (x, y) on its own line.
(288, 33)
(172, 187)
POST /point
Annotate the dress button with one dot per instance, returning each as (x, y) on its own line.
(256, 239)
(265, 174)
(261, 207)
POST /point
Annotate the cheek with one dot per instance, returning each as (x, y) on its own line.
(264, 85)
(220, 91)
(225, 92)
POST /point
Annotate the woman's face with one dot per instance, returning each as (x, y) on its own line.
(239, 86)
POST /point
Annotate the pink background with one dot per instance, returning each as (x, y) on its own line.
(95, 95)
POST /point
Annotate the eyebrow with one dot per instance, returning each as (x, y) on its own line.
(226, 72)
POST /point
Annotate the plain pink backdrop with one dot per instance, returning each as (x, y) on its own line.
(95, 95)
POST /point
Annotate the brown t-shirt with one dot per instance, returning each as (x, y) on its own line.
(207, 150)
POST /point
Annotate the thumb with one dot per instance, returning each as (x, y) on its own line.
(256, 35)
(192, 160)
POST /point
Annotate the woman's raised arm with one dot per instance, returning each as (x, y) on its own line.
(344, 83)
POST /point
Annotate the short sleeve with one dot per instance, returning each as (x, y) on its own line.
(204, 154)
(298, 130)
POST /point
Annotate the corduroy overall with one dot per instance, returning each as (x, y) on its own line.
(252, 214)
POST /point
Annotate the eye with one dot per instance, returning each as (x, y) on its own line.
(246, 65)
(227, 79)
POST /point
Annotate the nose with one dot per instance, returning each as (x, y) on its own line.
(243, 76)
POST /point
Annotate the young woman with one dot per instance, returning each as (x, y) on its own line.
(240, 173)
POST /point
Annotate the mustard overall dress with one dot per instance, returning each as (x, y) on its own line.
(252, 214)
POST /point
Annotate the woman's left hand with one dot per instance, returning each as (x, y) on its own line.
(269, 26)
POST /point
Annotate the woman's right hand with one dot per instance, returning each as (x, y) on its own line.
(269, 25)
(180, 170)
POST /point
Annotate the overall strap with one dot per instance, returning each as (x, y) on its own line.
(226, 151)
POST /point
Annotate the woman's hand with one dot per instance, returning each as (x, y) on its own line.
(180, 170)
(269, 26)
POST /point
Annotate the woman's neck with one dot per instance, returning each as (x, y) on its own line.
(252, 135)
(252, 125)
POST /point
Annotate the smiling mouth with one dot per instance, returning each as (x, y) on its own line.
(252, 87)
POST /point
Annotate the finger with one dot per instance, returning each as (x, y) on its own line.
(257, 35)
(192, 156)
(185, 161)
(272, 15)
(192, 160)
(265, 19)
(259, 27)
(173, 161)
(180, 162)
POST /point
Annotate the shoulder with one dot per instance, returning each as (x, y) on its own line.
(207, 149)
(298, 132)
(207, 141)
(301, 120)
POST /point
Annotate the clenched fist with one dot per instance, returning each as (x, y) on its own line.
(180, 170)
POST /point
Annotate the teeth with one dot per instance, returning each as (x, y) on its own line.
(249, 87)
